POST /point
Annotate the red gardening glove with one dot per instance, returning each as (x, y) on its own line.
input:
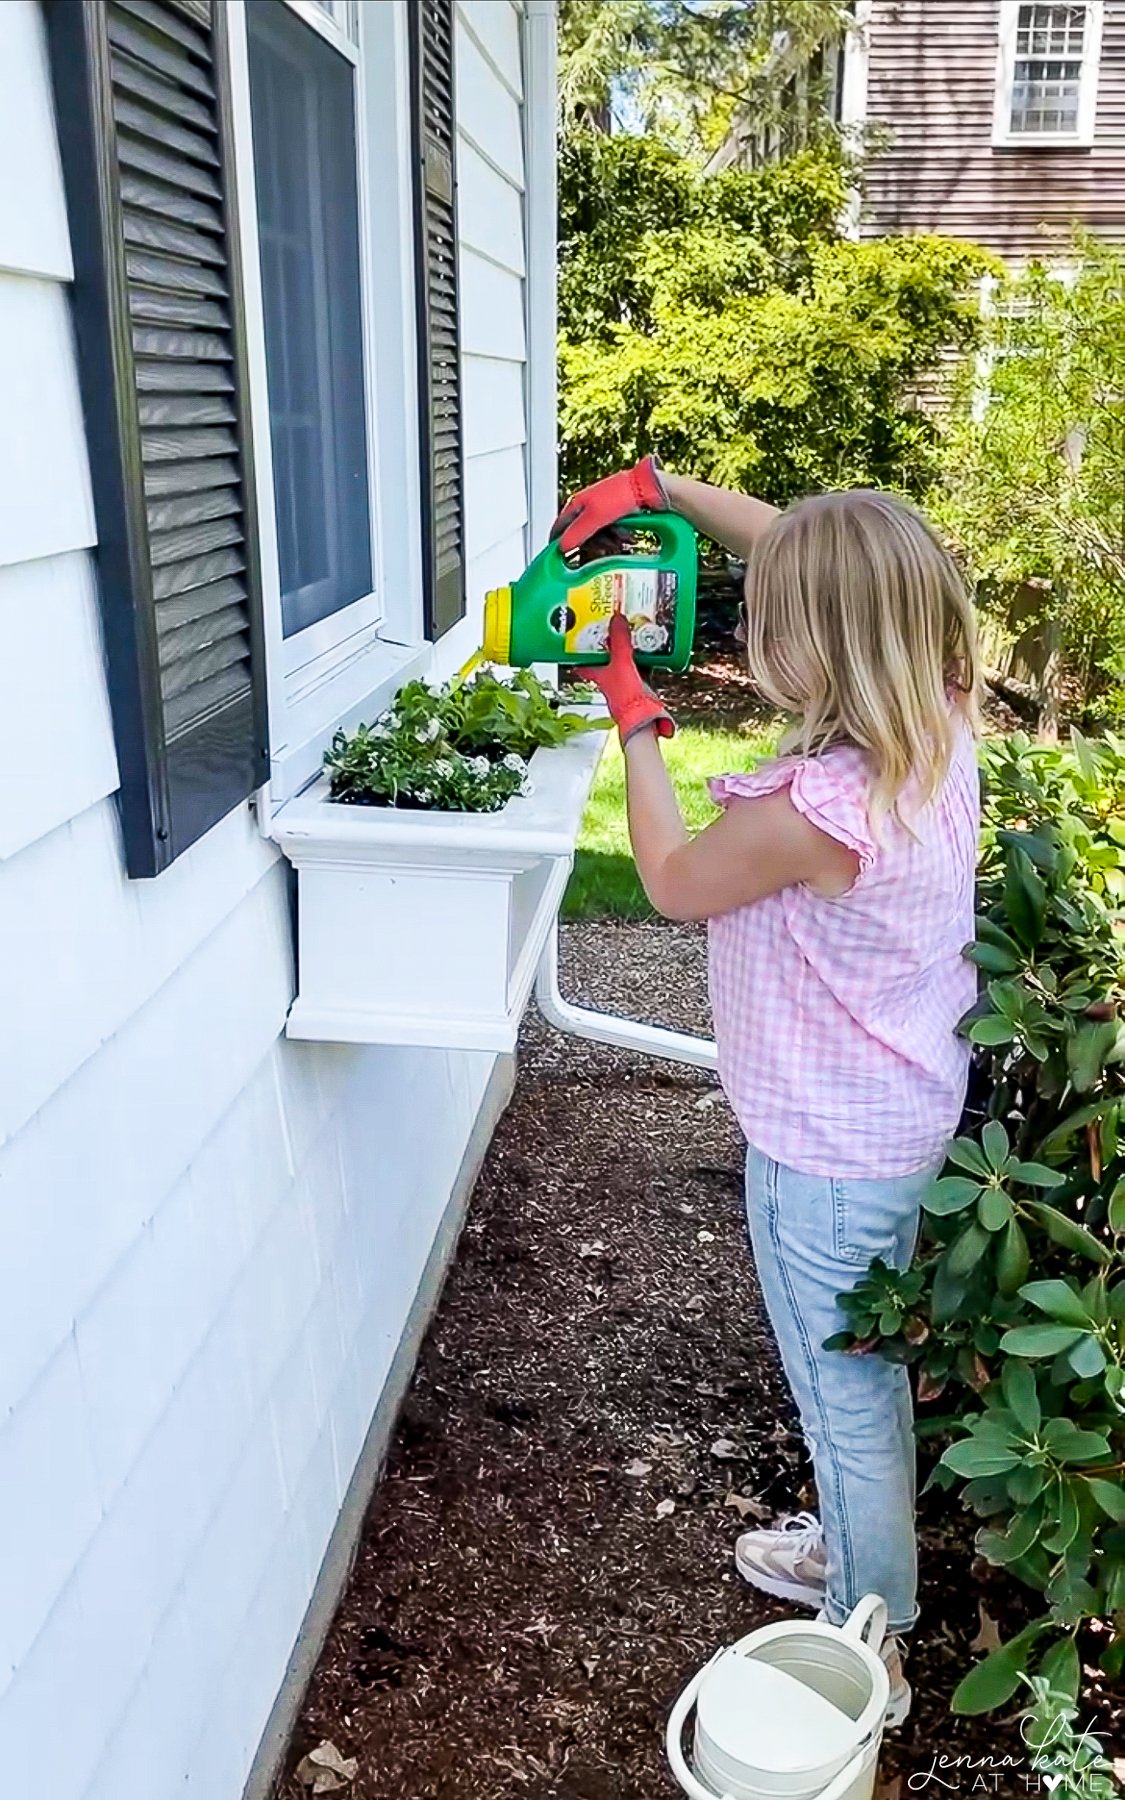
(638, 489)
(632, 705)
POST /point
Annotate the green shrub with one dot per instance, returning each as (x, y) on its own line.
(1032, 482)
(724, 322)
(1014, 1310)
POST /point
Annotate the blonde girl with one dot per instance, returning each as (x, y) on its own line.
(838, 886)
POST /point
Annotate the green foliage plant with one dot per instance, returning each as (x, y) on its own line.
(1014, 1310)
(462, 747)
(1032, 482)
(723, 321)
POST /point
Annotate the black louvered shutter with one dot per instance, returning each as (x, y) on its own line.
(142, 96)
(439, 342)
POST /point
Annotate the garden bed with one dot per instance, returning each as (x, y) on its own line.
(521, 1616)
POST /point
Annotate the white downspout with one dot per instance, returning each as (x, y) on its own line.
(603, 1028)
(540, 126)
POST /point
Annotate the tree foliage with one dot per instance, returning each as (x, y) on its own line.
(724, 322)
(1034, 476)
(681, 69)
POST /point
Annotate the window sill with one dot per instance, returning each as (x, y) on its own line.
(359, 691)
(427, 928)
(1042, 142)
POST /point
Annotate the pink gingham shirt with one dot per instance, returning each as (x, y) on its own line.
(835, 1017)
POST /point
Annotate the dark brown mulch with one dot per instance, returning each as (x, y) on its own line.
(548, 1557)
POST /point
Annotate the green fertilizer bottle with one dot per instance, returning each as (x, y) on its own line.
(556, 613)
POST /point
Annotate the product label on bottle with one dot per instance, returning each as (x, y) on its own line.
(647, 597)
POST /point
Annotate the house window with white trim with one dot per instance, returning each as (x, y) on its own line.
(303, 107)
(349, 283)
(1046, 89)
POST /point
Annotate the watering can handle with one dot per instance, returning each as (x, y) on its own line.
(673, 1738)
(867, 1623)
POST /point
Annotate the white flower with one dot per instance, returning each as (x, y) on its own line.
(478, 765)
(515, 763)
(428, 732)
(424, 796)
(527, 788)
(445, 768)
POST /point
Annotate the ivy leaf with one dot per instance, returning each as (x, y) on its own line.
(994, 1139)
(1117, 1208)
(1059, 1301)
(1038, 1340)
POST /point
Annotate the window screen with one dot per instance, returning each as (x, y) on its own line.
(1047, 77)
(303, 108)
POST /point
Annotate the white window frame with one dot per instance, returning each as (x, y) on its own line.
(1082, 138)
(345, 667)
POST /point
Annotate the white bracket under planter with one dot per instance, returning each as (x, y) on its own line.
(426, 927)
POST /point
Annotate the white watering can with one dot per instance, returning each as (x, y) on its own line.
(791, 1712)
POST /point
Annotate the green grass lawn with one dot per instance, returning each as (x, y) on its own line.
(605, 883)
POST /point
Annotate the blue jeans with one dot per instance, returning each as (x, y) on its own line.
(813, 1238)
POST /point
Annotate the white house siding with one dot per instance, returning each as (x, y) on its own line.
(490, 174)
(210, 1238)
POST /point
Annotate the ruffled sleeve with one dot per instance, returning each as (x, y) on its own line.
(831, 791)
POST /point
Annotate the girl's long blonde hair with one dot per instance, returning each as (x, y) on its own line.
(858, 621)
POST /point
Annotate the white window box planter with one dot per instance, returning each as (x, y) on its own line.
(427, 927)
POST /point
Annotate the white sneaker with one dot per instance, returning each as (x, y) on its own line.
(893, 1652)
(788, 1561)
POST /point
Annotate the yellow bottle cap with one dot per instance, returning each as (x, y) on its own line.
(496, 643)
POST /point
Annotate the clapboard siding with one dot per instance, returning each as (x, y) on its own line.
(46, 504)
(494, 406)
(34, 239)
(491, 179)
(211, 1238)
(490, 210)
(931, 84)
(496, 30)
(50, 671)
